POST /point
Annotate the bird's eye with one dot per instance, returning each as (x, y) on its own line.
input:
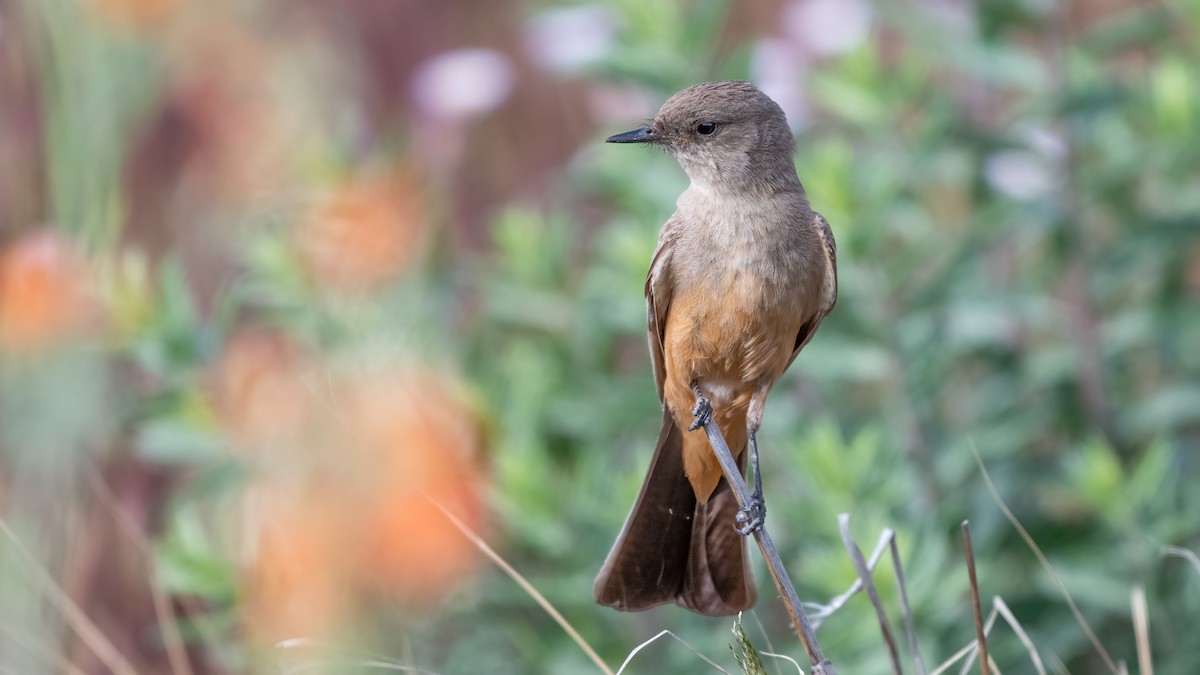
(706, 128)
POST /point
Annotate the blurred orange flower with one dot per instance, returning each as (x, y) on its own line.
(42, 293)
(260, 390)
(365, 232)
(297, 584)
(133, 14)
(422, 442)
(358, 519)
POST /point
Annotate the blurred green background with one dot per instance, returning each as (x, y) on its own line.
(224, 224)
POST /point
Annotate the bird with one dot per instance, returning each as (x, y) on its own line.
(742, 276)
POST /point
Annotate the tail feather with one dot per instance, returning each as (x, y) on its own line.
(675, 549)
(718, 580)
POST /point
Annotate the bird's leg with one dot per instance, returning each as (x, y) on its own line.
(753, 513)
(702, 411)
(750, 518)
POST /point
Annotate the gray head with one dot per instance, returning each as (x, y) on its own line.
(725, 135)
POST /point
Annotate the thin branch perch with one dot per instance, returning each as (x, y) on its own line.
(733, 474)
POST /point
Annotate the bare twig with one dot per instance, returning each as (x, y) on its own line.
(825, 611)
(733, 474)
(1062, 588)
(908, 615)
(860, 566)
(524, 584)
(887, 540)
(980, 638)
(1141, 630)
(1000, 606)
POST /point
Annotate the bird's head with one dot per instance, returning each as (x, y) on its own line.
(724, 135)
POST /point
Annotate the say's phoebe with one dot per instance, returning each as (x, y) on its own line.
(743, 274)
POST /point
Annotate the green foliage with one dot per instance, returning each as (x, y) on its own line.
(1046, 313)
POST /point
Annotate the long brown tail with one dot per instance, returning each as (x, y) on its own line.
(674, 549)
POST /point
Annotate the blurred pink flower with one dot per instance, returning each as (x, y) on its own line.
(827, 27)
(462, 84)
(1031, 172)
(564, 39)
(621, 102)
(780, 69)
(1019, 174)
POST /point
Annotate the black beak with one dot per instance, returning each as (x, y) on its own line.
(642, 135)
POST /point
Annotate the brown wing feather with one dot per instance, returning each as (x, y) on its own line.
(828, 286)
(659, 287)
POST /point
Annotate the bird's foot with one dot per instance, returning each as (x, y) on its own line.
(702, 411)
(750, 518)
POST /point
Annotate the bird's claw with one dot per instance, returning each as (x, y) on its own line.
(702, 411)
(750, 518)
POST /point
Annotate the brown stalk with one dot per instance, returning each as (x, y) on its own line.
(980, 638)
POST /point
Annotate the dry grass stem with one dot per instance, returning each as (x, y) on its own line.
(76, 618)
(955, 658)
(1141, 630)
(980, 637)
(969, 650)
(340, 664)
(785, 657)
(1184, 553)
(909, 628)
(1000, 606)
(825, 611)
(762, 630)
(681, 641)
(164, 615)
(860, 566)
(1037, 551)
(524, 584)
(41, 651)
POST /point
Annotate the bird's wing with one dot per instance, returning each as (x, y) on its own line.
(828, 284)
(659, 285)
